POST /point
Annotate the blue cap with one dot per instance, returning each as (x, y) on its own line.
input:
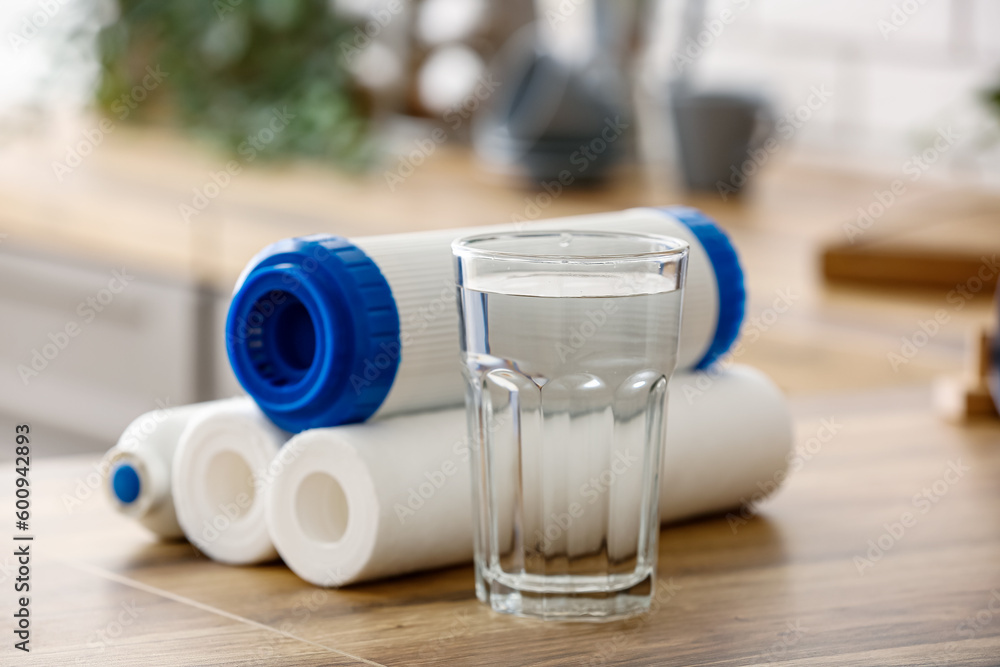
(125, 483)
(728, 279)
(313, 333)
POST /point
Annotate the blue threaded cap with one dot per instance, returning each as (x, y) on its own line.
(728, 279)
(125, 483)
(313, 333)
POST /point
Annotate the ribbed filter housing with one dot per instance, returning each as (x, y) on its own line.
(418, 268)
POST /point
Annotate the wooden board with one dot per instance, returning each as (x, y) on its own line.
(938, 241)
(785, 587)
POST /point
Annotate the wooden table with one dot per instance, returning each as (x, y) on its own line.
(785, 587)
(798, 581)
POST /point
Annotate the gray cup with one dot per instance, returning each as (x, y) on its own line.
(715, 132)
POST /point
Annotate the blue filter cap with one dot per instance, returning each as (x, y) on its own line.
(313, 333)
(728, 279)
(125, 483)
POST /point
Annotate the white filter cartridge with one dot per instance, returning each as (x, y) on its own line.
(324, 331)
(360, 502)
(220, 477)
(139, 468)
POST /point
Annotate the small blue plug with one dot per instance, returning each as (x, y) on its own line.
(125, 483)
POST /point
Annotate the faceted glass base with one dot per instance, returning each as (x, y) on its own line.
(585, 603)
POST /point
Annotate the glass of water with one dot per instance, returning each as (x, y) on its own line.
(568, 341)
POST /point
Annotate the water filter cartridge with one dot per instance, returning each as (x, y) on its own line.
(220, 475)
(360, 502)
(139, 468)
(325, 331)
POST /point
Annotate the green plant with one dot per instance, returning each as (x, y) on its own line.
(993, 99)
(228, 65)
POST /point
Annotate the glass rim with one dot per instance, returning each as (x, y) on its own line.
(673, 247)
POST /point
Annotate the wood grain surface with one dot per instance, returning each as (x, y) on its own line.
(794, 580)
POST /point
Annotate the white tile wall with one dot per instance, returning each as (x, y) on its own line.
(986, 30)
(888, 92)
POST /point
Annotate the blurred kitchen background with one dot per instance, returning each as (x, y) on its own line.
(149, 148)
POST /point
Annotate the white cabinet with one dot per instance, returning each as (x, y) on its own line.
(85, 349)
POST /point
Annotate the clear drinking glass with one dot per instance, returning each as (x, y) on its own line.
(568, 340)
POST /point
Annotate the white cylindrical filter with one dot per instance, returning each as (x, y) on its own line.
(729, 440)
(325, 331)
(139, 468)
(220, 477)
(419, 270)
(360, 502)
